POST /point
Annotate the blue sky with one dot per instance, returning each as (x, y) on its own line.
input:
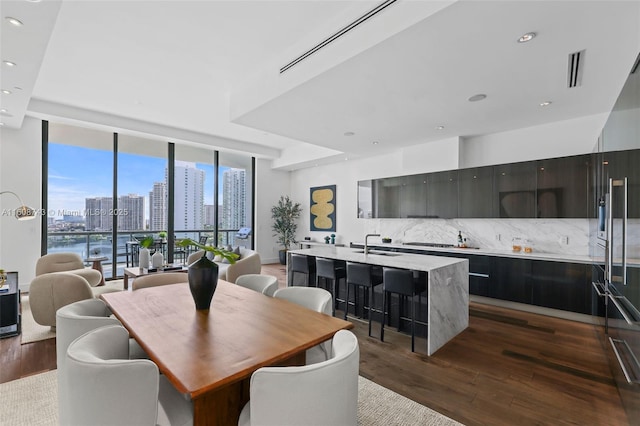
(76, 173)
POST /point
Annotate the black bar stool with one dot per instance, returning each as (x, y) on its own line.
(303, 265)
(362, 275)
(334, 270)
(404, 283)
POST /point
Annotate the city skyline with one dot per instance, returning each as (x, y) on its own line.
(73, 179)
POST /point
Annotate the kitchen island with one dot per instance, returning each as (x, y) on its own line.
(447, 285)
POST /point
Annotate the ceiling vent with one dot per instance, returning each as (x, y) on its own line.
(576, 65)
(339, 34)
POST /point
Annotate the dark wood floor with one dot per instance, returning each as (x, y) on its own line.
(507, 368)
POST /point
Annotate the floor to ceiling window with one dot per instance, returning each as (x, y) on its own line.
(235, 200)
(103, 205)
(141, 197)
(80, 177)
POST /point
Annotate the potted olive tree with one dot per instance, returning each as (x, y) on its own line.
(284, 215)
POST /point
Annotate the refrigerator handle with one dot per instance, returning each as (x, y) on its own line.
(625, 190)
(609, 247)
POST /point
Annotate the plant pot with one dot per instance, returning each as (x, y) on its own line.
(282, 254)
(203, 280)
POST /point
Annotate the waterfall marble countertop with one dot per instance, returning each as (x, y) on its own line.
(556, 257)
(447, 285)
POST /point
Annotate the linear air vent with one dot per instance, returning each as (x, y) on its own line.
(576, 65)
(338, 34)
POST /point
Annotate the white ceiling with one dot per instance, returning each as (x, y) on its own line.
(207, 71)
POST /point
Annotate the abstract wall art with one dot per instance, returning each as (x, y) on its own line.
(323, 208)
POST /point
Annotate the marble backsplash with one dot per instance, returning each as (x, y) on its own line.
(561, 236)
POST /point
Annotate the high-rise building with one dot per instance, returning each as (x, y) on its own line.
(234, 199)
(209, 215)
(98, 213)
(130, 212)
(158, 207)
(188, 197)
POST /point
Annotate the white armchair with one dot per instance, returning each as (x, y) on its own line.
(163, 278)
(107, 388)
(323, 394)
(73, 321)
(314, 298)
(51, 291)
(67, 262)
(265, 284)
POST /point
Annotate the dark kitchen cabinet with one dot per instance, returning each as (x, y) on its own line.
(561, 285)
(387, 197)
(515, 190)
(618, 165)
(475, 192)
(564, 188)
(442, 196)
(413, 196)
(511, 279)
(480, 275)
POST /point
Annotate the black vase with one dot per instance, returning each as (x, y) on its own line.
(203, 280)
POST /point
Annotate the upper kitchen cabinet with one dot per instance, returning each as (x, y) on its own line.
(475, 192)
(564, 188)
(387, 197)
(413, 196)
(365, 199)
(515, 190)
(442, 196)
(619, 165)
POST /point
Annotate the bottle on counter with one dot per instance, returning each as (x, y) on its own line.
(460, 240)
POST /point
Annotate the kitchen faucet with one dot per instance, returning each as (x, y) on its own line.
(366, 244)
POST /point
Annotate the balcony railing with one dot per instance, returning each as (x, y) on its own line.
(96, 243)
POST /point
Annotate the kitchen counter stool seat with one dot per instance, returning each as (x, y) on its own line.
(331, 270)
(302, 264)
(403, 282)
(363, 275)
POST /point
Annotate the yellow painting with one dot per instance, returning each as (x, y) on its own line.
(323, 208)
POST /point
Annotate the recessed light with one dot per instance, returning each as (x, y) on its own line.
(526, 37)
(440, 128)
(349, 133)
(1, 124)
(478, 97)
(9, 63)
(14, 21)
(375, 142)
(6, 92)
(3, 110)
(545, 103)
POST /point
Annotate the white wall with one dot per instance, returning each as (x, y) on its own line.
(20, 172)
(559, 139)
(270, 185)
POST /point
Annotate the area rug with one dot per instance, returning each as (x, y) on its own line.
(32, 331)
(33, 401)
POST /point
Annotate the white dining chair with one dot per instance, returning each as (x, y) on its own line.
(317, 299)
(322, 394)
(73, 321)
(265, 284)
(108, 388)
(160, 278)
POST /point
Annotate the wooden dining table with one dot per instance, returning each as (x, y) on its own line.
(210, 355)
